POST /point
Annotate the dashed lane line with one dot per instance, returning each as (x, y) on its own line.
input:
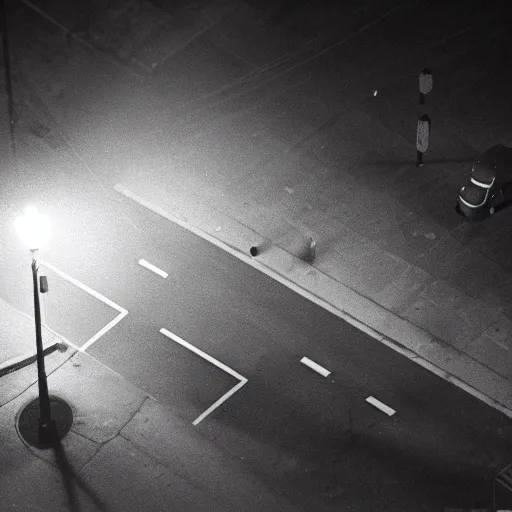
(156, 270)
(315, 366)
(380, 405)
(218, 364)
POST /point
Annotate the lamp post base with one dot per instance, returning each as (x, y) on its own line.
(33, 433)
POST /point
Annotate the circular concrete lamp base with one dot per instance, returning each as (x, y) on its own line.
(28, 423)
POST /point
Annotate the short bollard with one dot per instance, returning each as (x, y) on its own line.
(309, 252)
(306, 251)
(256, 250)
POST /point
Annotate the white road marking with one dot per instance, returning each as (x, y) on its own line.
(315, 366)
(156, 270)
(380, 405)
(218, 364)
(222, 399)
(122, 312)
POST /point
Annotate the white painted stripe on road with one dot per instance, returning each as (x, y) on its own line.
(204, 355)
(315, 366)
(215, 362)
(105, 329)
(222, 399)
(156, 270)
(380, 405)
(122, 312)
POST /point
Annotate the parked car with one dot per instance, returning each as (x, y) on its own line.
(489, 185)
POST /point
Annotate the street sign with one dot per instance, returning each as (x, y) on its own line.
(423, 133)
(43, 284)
(425, 81)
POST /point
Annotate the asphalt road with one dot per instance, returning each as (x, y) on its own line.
(315, 438)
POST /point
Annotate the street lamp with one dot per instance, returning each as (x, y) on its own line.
(34, 231)
(33, 228)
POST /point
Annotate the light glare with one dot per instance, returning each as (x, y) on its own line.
(33, 228)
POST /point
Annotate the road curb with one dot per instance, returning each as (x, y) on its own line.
(16, 363)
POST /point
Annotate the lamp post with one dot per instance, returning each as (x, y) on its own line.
(34, 231)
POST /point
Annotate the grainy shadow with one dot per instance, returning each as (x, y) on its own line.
(71, 480)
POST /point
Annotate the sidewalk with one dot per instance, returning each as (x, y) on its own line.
(124, 452)
(271, 174)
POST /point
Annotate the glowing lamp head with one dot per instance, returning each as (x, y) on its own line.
(33, 228)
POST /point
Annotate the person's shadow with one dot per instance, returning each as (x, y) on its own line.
(70, 480)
